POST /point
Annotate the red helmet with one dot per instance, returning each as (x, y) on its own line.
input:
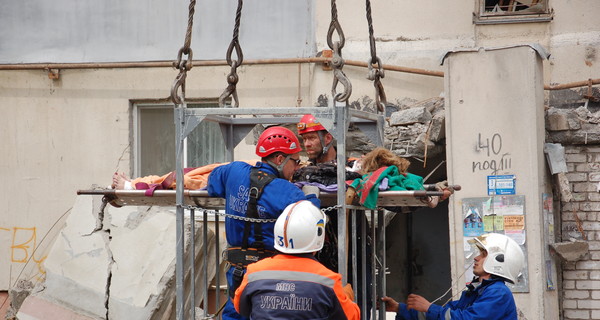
(277, 139)
(308, 123)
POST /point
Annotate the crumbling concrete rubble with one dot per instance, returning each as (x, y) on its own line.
(122, 267)
(577, 126)
(413, 129)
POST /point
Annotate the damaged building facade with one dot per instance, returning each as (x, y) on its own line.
(84, 92)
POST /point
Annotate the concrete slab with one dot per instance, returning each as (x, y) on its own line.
(117, 263)
(77, 264)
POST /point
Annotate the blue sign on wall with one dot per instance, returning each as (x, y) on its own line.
(501, 185)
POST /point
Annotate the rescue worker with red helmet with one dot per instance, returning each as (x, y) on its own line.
(318, 142)
(319, 145)
(261, 192)
(487, 297)
(293, 284)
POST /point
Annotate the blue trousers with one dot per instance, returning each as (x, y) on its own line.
(229, 312)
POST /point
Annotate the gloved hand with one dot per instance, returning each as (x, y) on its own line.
(350, 195)
(443, 186)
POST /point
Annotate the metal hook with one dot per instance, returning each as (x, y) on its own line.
(380, 98)
(375, 75)
(179, 83)
(340, 77)
(337, 63)
(231, 90)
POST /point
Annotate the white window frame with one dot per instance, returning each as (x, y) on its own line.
(136, 108)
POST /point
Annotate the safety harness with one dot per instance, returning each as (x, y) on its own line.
(241, 257)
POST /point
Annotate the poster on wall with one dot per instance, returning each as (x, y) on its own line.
(549, 238)
(503, 214)
(501, 185)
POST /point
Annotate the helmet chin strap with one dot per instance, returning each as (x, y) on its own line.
(324, 147)
(279, 168)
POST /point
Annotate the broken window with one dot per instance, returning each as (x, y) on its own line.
(154, 140)
(512, 11)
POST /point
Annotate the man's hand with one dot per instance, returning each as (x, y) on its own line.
(417, 302)
(390, 304)
(349, 292)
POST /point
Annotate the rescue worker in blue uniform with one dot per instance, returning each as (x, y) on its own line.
(487, 297)
(293, 284)
(264, 198)
(320, 147)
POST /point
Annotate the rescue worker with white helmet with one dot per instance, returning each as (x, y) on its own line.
(293, 284)
(262, 192)
(487, 297)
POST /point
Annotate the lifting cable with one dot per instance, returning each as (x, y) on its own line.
(375, 74)
(232, 78)
(337, 62)
(178, 98)
(183, 65)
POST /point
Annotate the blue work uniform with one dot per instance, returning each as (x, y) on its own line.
(491, 300)
(232, 182)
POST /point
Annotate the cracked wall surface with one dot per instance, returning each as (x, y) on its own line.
(113, 263)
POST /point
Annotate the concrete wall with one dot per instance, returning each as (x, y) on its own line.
(67, 31)
(74, 133)
(499, 93)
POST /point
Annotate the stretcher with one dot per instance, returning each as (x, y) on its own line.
(199, 198)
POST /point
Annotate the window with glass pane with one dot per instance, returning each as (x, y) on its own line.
(511, 11)
(156, 141)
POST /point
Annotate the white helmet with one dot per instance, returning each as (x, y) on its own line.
(505, 257)
(300, 228)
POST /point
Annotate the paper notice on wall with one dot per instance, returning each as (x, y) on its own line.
(472, 222)
(488, 223)
(503, 214)
(516, 222)
(510, 210)
(499, 223)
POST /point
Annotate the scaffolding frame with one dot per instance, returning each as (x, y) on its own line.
(336, 118)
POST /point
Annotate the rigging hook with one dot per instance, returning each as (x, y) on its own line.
(232, 77)
(337, 62)
(375, 74)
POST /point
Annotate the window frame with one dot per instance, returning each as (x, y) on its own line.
(480, 16)
(135, 136)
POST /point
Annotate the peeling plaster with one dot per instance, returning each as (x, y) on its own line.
(590, 55)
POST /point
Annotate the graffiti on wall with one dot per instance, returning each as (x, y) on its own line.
(23, 246)
(496, 160)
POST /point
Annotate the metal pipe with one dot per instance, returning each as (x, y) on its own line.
(193, 263)
(179, 215)
(209, 63)
(204, 63)
(572, 85)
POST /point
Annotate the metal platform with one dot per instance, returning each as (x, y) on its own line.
(199, 198)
